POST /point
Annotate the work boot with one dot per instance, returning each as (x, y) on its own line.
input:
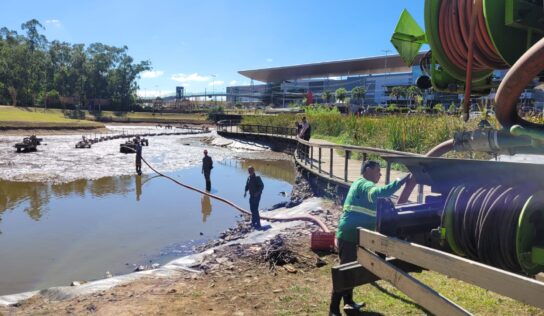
(353, 308)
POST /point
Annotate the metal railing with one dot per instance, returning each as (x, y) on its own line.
(306, 151)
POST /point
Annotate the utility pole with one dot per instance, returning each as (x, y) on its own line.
(386, 51)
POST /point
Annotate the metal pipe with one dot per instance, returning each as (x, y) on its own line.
(330, 162)
(319, 158)
(346, 157)
(526, 68)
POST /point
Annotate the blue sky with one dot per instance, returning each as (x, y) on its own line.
(202, 44)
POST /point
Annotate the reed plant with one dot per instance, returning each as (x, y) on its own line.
(417, 133)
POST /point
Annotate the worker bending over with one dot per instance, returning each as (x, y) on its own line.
(359, 211)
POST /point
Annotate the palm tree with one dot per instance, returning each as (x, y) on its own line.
(412, 92)
(326, 96)
(358, 93)
(397, 92)
(340, 94)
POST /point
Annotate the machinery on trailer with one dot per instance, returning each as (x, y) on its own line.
(84, 143)
(488, 213)
(28, 144)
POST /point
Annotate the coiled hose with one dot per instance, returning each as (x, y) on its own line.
(484, 222)
(307, 218)
(466, 42)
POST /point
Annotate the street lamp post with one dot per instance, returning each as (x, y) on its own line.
(386, 51)
(213, 90)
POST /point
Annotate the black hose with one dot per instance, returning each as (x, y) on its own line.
(484, 222)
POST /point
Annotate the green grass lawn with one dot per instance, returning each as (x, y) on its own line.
(29, 117)
(21, 117)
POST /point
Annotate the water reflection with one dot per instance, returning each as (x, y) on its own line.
(138, 187)
(277, 169)
(38, 195)
(88, 227)
(206, 204)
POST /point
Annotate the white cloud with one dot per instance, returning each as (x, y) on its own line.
(53, 22)
(216, 83)
(233, 82)
(152, 73)
(269, 60)
(183, 78)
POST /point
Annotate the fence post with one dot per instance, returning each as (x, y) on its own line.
(319, 160)
(311, 157)
(330, 163)
(388, 173)
(346, 158)
(420, 193)
(364, 157)
(305, 153)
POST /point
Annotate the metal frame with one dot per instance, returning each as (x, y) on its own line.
(524, 289)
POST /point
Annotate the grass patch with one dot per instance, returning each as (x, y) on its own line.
(27, 117)
(381, 296)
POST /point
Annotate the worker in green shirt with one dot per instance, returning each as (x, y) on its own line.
(359, 211)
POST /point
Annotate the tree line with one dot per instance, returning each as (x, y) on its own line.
(36, 72)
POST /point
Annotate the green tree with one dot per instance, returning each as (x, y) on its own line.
(341, 94)
(326, 96)
(397, 92)
(358, 93)
(412, 93)
(30, 66)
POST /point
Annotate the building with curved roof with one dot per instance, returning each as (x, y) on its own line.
(282, 85)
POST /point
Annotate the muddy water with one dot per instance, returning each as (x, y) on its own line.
(58, 161)
(52, 233)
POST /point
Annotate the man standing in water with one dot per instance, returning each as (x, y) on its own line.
(138, 148)
(255, 186)
(207, 166)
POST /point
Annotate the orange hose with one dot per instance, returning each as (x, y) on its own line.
(308, 218)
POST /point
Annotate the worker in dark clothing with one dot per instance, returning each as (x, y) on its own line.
(255, 186)
(305, 134)
(359, 211)
(138, 148)
(207, 166)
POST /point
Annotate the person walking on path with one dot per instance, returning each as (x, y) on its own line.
(207, 166)
(359, 211)
(255, 186)
(138, 148)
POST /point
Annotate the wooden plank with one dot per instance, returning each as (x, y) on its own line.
(523, 289)
(352, 274)
(419, 292)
